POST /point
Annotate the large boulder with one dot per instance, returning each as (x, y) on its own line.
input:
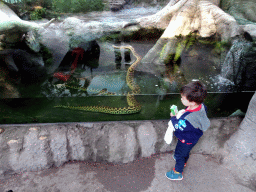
(183, 18)
(239, 152)
(251, 29)
(237, 60)
(23, 67)
(10, 22)
(8, 90)
(13, 28)
(244, 11)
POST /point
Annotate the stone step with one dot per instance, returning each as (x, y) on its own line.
(41, 146)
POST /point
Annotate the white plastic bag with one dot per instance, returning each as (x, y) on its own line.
(169, 133)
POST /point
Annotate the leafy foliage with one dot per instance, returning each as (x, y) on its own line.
(60, 6)
(38, 14)
(76, 6)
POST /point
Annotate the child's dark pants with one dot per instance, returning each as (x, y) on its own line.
(182, 154)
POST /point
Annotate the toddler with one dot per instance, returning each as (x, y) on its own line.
(189, 126)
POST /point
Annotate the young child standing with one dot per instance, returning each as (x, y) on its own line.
(189, 127)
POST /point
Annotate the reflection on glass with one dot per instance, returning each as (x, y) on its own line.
(108, 77)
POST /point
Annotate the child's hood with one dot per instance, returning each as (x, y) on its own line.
(199, 119)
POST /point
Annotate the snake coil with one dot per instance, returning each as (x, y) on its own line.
(133, 105)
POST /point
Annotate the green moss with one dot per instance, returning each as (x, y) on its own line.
(145, 35)
(190, 40)
(110, 37)
(184, 43)
(179, 49)
(219, 46)
(140, 35)
(169, 59)
(162, 51)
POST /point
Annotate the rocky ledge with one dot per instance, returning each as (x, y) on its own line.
(35, 147)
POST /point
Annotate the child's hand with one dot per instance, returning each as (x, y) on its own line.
(180, 113)
(174, 110)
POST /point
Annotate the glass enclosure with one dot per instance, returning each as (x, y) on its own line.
(106, 76)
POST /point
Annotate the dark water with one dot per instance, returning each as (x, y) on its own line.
(41, 110)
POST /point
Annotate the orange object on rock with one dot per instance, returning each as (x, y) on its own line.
(61, 76)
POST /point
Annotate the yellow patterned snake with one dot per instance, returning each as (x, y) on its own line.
(133, 105)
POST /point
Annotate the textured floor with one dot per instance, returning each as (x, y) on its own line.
(148, 174)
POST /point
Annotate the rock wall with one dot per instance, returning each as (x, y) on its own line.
(41, 146)
(239, 152)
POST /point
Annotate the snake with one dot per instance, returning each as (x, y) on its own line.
(133, 106)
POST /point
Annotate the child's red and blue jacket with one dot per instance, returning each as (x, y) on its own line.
(191, 125)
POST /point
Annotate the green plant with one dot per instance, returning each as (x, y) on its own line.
(76, 6)
(26, 5)
(88, 5)
(38, 14)
(63, 6)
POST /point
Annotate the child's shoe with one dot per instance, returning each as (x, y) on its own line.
(173, 175)
(185, 164)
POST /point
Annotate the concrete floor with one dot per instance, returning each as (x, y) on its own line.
(202, 173)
